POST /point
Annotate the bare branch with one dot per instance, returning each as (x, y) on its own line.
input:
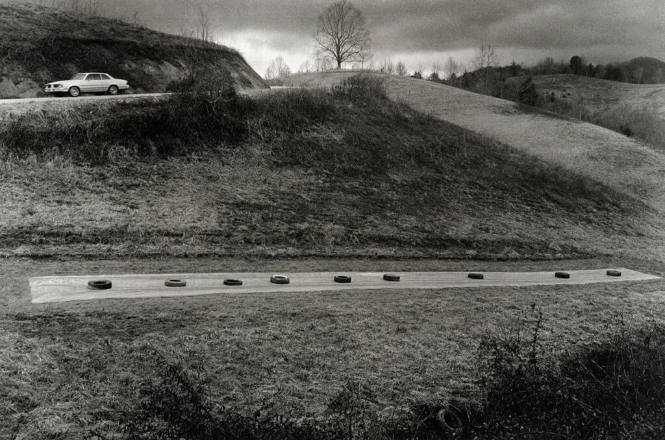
(341, 34)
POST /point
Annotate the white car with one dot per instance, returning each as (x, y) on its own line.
(87, 83)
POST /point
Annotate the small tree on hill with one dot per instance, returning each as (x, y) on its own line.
(387, 66)
(577, 65)
(486, 58)
(452, 67)
(400, 69)
(278, 69)
(341, 33)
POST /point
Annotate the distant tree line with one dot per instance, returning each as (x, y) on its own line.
(638, 71)
(514, 81)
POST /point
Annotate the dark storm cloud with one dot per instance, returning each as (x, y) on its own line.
(435, 26)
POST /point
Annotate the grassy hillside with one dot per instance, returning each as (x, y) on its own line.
(327, 173)
(321, 173)
(624, 164)
(636, 110)
(40, 44)
(601, 95)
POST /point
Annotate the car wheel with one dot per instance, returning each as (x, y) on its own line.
(113, 90)
(74, 92)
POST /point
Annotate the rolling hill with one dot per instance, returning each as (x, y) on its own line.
(40, 44)
(645, 70)
(586, 149)
(298, 173)
(599, 95)
(336, 180)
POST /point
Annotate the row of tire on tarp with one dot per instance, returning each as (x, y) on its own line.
(284, 279)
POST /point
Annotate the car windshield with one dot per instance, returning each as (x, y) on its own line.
(79, 76)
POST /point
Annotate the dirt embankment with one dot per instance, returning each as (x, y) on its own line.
(39, 45)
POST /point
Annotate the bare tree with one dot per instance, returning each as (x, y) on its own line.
(278, 69)
(341, 33)
(452, 67)
(90, 7)
(365, 55)
(323, 63)
(486, 56)
(436, 70)
(400, 69)
(305, 67)
(387, 66)
(203, 20)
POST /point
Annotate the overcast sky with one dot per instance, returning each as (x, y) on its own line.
(421, 32)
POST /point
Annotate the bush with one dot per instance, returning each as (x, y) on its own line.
(361, 90)
(610, 389)
(172, 403)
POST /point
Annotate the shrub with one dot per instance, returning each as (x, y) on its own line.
(362, 90)
(610, 389)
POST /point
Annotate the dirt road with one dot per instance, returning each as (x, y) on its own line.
(13, 107)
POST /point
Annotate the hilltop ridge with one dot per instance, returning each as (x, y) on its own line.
(40, 44)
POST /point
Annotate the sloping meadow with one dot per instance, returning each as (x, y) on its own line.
(341, 171)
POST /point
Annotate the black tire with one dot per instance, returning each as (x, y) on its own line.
(113, 90)
(74, 92)
(476, 276)
(345, 279)
(175, 283)
(454, 421)
(280, 279)
(100, 284)
(613, 273)
(232, 282)
(562, 275)
(392, 278)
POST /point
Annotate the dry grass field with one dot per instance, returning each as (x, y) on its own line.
(601, 95)
(68, 369)
(374, 181)
(635, 110)
(586, 149)
(317, 181)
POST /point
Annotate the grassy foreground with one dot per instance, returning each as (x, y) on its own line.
(338, 173)
(330, 365)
